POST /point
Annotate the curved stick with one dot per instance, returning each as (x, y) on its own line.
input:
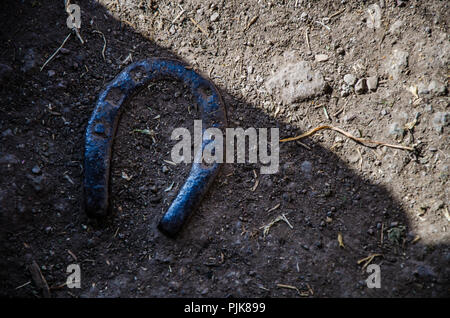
(102, 127)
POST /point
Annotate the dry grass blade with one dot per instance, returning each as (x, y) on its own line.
(303, 294)
(198, 26)
(104, 43)
(341, 240)
(39, 279)
(266, 228)
(56, 52)
(368, 260)
(361, 141)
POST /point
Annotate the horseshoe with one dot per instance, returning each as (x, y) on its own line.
(103, 124)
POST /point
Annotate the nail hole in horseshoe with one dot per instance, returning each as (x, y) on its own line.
(114, 96)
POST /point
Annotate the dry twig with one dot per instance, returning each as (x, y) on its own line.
(362, 141)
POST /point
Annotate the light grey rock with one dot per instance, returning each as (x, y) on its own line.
(306, 167)
(349, 79)
(395, 27)
(372, 83)
(422, 89)
(36, 170)
(361, 86)
(441, 120)
(321, 57)
(214, 17)
(295, 81)
(437, 88)
(396, 64)
(345, 90)
(373, 16)
(396, 130)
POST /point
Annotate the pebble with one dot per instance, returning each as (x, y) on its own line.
(396, 130)
(295, 82)
(304, 16)
(165, 169)
(345, 90)
(361, 86)
(321, 57)
(214, 17)
(64, 51)
(349, 79)
(51, 73)
(36, 170)
(396, 63)
(306, 167)
(437, 88)
(372, 83)
(441, 120)
(340, 51)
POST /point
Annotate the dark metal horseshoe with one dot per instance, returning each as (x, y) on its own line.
(102, 127)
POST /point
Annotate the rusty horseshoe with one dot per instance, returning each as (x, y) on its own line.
(102, 127)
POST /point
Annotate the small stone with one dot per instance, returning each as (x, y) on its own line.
(349, 79)
(340, 51)
(396, 130)
(172, 30)
(436, 88)
(165, 169)
(372, 83)
(396, 63)
(304, 17)
(295, 82)
(422, 89)
(361, 86)
(345, 90)
(36, 170)
(441, 120)
(401, 3)
(64, 51)
(437, 205)
(321, 57)
(214, 17)
(370, 231)
(306, 167)
(51, 73)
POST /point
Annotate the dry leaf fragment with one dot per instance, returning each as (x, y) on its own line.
(340, 240)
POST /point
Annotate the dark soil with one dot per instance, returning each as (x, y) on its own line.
(221, 251)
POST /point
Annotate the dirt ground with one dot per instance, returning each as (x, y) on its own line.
(382, 201)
